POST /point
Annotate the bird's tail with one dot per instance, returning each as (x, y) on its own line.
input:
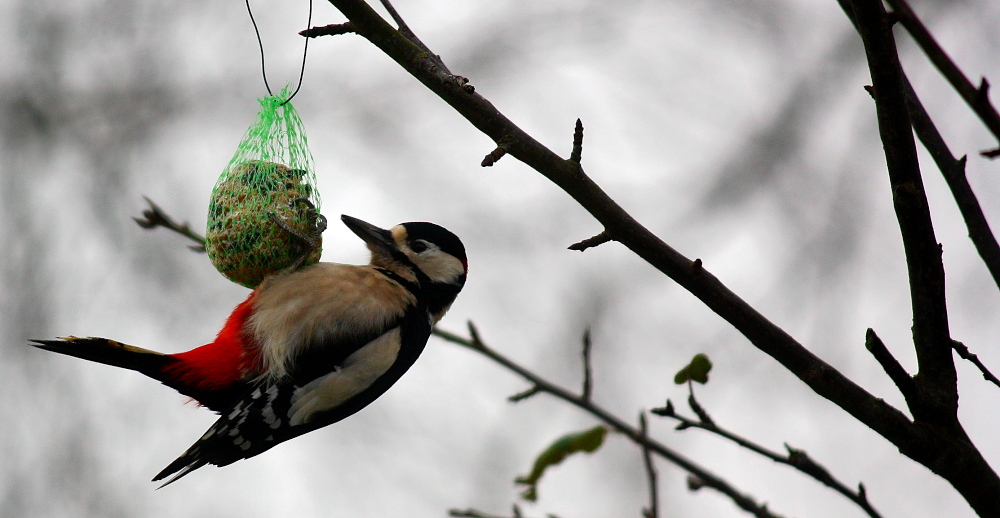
(185, 464)
(110, 352)
(177, 371)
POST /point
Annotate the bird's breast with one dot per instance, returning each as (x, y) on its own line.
(327, 305)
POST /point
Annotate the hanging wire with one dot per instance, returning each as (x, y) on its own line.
(260, 43)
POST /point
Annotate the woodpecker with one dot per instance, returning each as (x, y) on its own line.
(308, 347)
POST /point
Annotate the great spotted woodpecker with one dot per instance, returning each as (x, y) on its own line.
(308, 347)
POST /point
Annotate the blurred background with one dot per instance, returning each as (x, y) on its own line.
(737, 131)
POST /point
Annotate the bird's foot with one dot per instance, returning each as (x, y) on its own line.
(308, 242)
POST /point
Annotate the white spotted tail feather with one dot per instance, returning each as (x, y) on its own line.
(333, 338)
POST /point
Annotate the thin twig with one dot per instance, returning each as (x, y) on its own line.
(591, 242)
(155, 217)
(964, 352)
(494, 156)
(953, 171)
(904, 382)
(577, 154)
(653, 511)
(696, 407)
(473, 513)
(404, 29)
(977, 98)
(521, 396)
(587, 377)
(709, 479)
(795, 458)
(334, 29)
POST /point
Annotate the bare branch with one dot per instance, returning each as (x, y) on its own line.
(569, 176)
(653, 511)
(591, 242)
(953, 171)
(963, 465)
(521, 396)
(892, 368)
(925, 270)
(707, 478)
(976, 98)
(334, 29)
(155, 217)
(494, 156)
(587, 379)
(473, 513)
(964, 352)
(404, 29)
(577, 154)
(696, 407)
(795, 458)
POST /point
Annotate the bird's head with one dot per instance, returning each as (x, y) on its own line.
(416, 251)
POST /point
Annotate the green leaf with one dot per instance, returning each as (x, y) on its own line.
(697, 370)
(586, 441)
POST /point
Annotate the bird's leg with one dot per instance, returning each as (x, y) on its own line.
(309, 242)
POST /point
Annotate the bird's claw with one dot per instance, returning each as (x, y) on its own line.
(309, 242)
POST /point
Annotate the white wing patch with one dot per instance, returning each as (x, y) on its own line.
(359, 371)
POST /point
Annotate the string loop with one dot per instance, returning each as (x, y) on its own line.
(260, 43)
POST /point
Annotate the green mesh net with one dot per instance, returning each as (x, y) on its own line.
(264, 212)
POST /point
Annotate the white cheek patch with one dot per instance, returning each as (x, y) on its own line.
(358, 372)
(441, 267)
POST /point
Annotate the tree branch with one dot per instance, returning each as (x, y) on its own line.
(821, 377)
(587, 376)
(927, 446)
(977, 98)
(925, 270)
(964, 352)
(494, 156)
(473, 513)
(591, 242)
(707, 478)
(953, 171)
(404, 29)
(576, 155)
(797, 459)
(653, 511)
(155, 217)
(334, 29)
(898, 375)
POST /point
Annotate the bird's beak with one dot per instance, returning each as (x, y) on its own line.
(377, 238)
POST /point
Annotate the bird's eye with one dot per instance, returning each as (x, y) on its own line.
(418, 246)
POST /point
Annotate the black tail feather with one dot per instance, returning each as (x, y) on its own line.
(151, 363)
(110, 352)
(182, 466)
